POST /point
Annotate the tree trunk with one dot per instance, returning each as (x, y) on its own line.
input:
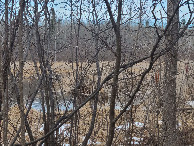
(5, 78)
(116, 26)
(21, 66)
(1, 89)
(96, 39)
(169, 113)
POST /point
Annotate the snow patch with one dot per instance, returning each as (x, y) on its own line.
(139, 124)
(42, 127)
(63, 129)
(90, 142)
(136, 138)
(191, 103)
(66, 144)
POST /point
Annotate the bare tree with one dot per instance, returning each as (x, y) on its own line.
(5, 79)
(113, 56)
(96, 40)
(21, 68)
(170, 131)
(1, 89)
(116, 26)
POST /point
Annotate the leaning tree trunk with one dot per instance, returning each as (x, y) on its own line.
(169, 113)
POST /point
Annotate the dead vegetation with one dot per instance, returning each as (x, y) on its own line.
(142, 123)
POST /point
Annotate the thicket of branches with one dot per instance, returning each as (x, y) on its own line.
(96, 73)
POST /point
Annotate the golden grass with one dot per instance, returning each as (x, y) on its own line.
(65, 72)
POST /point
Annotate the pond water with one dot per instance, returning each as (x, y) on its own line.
(68, 105)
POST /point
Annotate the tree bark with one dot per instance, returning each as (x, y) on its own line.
(96, 38)
(116, 26)
(21, 66)
(5, 78)
(1, 89)
(169, 112)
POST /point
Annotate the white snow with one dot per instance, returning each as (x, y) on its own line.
(42, 127)
(136, 138)
(190, 103)
(139, 124)
(159, 122)
(63, 129)
(90, 142)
